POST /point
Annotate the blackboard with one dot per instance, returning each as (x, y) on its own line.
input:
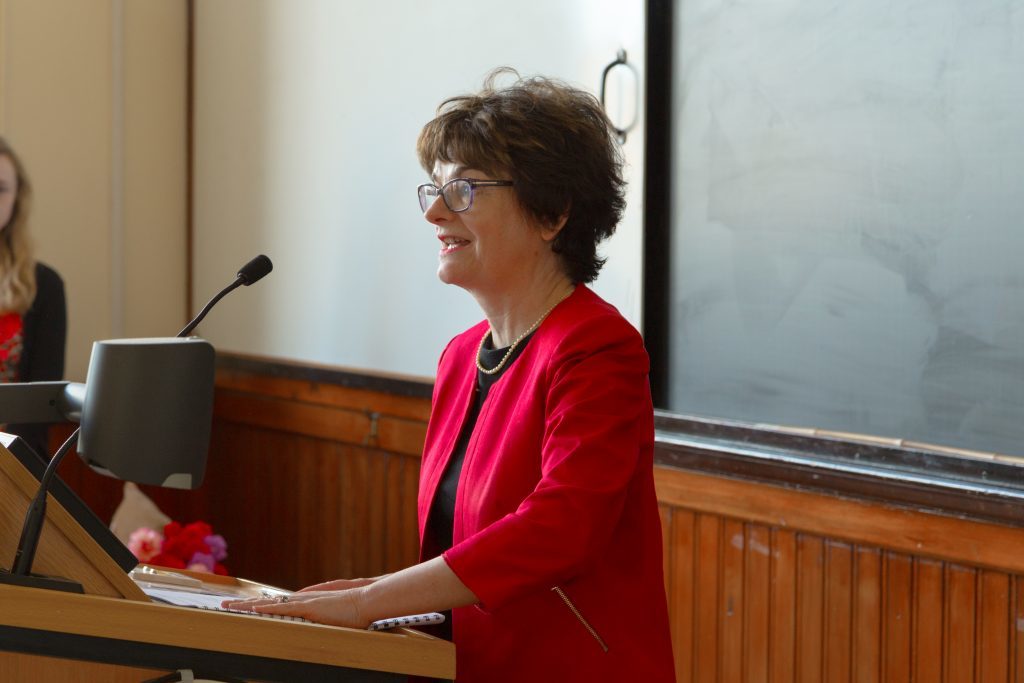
(848, 218)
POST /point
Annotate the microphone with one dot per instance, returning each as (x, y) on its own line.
(21, 569)
(249, 274)
(253, 271)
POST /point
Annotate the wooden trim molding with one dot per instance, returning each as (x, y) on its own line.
(906, 475)
(385, 412)
(236, 364)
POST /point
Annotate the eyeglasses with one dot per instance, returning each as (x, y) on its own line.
(457, 193)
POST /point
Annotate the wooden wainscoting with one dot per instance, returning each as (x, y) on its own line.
(770, 584)
(312, 475)
(307, 479)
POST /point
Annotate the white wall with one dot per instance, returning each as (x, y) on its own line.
(92, 95)
(306, 116)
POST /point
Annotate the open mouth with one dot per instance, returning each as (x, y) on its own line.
(450, 244)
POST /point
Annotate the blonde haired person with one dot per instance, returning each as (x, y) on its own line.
(33, 316)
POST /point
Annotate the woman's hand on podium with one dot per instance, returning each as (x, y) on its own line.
(334, 607)
(430, 586)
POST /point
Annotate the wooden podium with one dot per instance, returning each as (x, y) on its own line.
(114, 622)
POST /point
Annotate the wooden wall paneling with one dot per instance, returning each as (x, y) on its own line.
(401, 436)
(376, 495)
(325, 422)
(682, 553)
(869, 523)
(311, 481)
(257, 518)
(961, 594)
(928, 599)
(665, 515)
(409, 531)
(897, 579)
(313, 504)
(707, 591)
(994, 634)
(783, 617)
(757, 602)
(838, 634)
(353, 511)
(394, 524)
(1017, 627)
(732, 607)
(323, 393)
(867, 616)
(809, 608)
(288, 466)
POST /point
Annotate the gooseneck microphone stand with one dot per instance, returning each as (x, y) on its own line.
(21, 570)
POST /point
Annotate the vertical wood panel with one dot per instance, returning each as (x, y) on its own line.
(929, 596)
(960, 623)
(810, 608)
(375, 496)
(838, 612)
(410, 528)
(757, 603)
(1017, 601)
(896, 618)
(665, 513)
(706, 641)
(731, 609)
(867, 616)
(683, 606)
(994, 627)
(783, 620)
(314, 482)
(393, 521)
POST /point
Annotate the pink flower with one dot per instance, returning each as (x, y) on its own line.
(145, 543)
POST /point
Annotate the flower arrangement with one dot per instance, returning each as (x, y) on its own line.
(192, 546)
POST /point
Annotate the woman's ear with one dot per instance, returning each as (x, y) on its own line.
(551, 230)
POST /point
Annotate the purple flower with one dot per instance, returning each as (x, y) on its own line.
(218, 547)
(201, 562)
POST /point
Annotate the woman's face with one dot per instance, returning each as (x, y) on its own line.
(8, 189)
(492, 247)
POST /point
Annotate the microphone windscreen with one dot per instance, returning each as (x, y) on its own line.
(254, 270)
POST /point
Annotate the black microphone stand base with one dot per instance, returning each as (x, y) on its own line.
(53, 583)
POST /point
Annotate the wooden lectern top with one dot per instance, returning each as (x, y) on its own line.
(114, 611)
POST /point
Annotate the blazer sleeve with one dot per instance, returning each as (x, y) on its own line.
(598, 431)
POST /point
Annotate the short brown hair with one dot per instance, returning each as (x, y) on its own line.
(555, 142)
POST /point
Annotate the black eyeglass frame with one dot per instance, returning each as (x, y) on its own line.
(473, 184)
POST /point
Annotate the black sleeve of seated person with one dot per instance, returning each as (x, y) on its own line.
(44, 332)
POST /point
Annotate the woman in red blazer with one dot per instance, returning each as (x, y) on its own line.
(538, 520)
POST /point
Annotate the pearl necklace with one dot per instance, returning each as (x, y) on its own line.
(512, 348)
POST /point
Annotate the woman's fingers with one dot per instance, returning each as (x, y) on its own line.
(250, 604)
(337, 608)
